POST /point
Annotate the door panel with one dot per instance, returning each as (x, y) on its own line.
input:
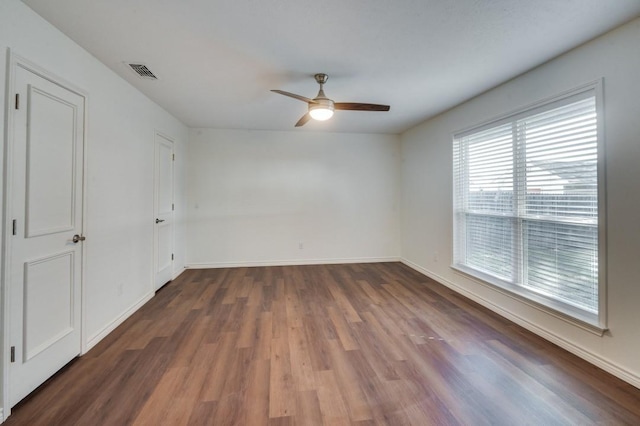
(46, 204)
(50, 153)
(48, 305)
(164, 248)
(165, 176)
(164, 211)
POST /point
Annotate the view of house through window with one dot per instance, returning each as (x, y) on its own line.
(526, 204)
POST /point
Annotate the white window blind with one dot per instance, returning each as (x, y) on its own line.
(526, 204)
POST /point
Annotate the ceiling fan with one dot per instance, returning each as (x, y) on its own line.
(321, 108)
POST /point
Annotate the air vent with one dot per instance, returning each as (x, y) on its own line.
(143, 71)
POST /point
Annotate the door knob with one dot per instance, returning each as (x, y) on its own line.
(77, 238)
(159, 220)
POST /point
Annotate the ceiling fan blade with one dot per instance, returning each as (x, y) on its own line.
(303, 120)
(294, 96)
(354, 106)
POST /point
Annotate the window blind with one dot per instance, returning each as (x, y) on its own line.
(526, 203)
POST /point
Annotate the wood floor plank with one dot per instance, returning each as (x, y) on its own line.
(330, 399)
(264, 337)
(554, 400)
(256, 400)
(210, 290)
(279, 321)
(203, 413)
(343, 329)
(301, 367)
(230, 410)
(220, 362)
(255, 297)
(308, 408)
(358, 344)
(379, 360)
(347, 379)
(282, 401)
(342, 301)
(386, 339)
(316, 338)
(248, 326)
(292, 307)
(374, 295)
(157, 407)
(183, 355)
(113, 407)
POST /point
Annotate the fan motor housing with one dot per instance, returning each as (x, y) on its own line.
(322, 102)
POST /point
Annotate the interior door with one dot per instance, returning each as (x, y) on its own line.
(46, 212)
(164, 210)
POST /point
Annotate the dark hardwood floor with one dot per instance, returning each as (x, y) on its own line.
(335, 345)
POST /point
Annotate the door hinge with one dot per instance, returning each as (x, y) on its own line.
(15, 227)
(17, 100)
(173, 206)
(171, 256)
(173, 157)
(13, 354)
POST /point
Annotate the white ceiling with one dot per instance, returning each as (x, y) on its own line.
(218, 59)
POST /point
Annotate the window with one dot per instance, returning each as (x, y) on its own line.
(526, 205)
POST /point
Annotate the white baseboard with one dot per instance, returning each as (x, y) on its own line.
(93, 340)
(598, 361)
(292, 262)
(177, 273)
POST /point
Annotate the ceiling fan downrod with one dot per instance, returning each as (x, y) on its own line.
(321, 79)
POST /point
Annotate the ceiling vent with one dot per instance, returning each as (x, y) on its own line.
(143, 71)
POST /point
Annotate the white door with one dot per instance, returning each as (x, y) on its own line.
(46, 210)
(164, 209)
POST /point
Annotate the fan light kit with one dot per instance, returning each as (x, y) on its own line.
(321, 108)
(320, 112)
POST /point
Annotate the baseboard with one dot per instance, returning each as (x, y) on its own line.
(176, 274)
(293, 262)
(1, 416)
(92, 341)
(605, 364)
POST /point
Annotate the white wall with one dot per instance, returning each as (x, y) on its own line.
(120, 150)
(254, 196)
(427, 193)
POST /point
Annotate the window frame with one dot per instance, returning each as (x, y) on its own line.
(596, 323)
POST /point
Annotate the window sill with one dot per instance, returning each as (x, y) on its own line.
(574, 317)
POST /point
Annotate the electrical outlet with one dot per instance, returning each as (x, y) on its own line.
(120, 289)
(436, 256)
(301, 246)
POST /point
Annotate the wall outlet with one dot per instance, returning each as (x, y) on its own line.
(120, 289)
(301, 246)
(436, 256)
